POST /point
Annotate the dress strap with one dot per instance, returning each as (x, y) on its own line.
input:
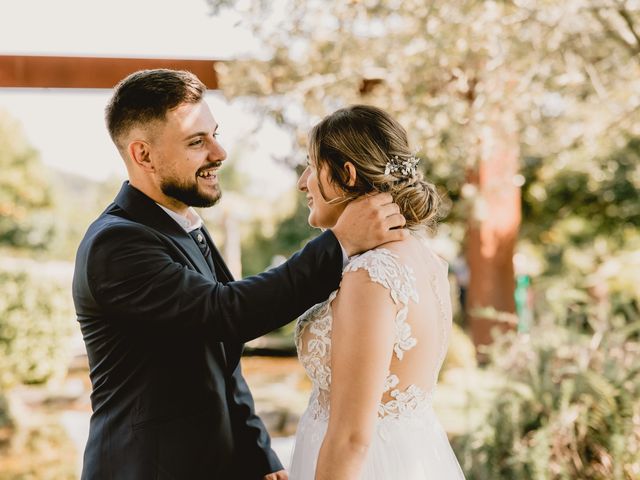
(384, 268)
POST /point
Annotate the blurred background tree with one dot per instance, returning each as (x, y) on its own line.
(479, 85)
(36, 311)
(26, 196)
(527, 114)
(35, 218)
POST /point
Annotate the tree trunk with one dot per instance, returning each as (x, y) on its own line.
(492, 233)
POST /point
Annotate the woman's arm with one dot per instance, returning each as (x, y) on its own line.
(361, 347)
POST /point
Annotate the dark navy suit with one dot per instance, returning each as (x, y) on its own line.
(164, 336)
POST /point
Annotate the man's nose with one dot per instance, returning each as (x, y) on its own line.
(216, 152)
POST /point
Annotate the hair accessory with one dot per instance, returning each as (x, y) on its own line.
(402, 167)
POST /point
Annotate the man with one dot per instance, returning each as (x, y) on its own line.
(163, 320)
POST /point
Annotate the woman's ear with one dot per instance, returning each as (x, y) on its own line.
(350, 170)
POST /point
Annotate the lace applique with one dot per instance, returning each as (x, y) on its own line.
(383, 268)
(404, 340)
(316, 358)
(313, 339)
(405, 403)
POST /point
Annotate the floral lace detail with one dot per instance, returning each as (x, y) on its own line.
(407, 406)
(405, 403)
(404, 340)
(316, 360)
(384, 268)
(313, 338)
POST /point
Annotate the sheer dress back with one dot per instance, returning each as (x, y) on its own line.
(415, 279)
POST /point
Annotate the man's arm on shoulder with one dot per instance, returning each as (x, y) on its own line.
(133, 278)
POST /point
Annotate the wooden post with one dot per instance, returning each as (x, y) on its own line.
(34, 71)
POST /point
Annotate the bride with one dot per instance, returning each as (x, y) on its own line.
(374, 348)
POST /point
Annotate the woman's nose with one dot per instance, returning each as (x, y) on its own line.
(302, 181)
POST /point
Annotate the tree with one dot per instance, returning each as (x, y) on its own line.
(25, 193)
(478, 84)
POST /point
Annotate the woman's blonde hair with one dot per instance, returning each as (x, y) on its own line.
(369, 138)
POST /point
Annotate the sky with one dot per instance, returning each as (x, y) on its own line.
(67, 126)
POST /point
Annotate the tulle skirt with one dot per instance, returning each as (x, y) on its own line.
(415, 448)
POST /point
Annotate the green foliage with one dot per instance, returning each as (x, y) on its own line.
(555, 83)
(598, 197)
(569, 407)
(569, 404)
(462, 352)
(43, 211)
(560, 77)
(25, 193)
(6, 422)
(583, 281)
(36, 320)
(77, 201)
(292, 233)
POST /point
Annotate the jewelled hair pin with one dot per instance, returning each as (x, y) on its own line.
(402, 167)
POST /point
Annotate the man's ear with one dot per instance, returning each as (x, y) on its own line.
(350, 170)
(139, 153)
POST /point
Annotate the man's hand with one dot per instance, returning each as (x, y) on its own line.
(368, 222)
(280, 475)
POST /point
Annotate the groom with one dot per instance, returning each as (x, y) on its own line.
(163, 320)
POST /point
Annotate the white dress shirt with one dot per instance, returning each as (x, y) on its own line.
(188, 222)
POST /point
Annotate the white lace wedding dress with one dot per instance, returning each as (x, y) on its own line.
(409, 442)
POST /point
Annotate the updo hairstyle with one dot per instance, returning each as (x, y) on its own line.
(369, 138)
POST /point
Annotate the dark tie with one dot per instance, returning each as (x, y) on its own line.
(201, 241)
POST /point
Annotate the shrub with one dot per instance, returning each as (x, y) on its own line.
(35, 324)
(569, 407)
(462, 352)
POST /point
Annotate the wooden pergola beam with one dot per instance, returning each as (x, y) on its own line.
(30, 71)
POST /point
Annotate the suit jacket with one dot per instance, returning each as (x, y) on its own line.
(164, 337)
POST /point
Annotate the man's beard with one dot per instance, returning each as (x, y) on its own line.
(189, 194)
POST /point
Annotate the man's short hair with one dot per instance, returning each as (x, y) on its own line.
(146, 96)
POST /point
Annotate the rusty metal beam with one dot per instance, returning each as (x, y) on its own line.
(90, 72)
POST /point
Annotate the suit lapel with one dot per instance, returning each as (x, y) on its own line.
(224, 276)
(189, 247)
(222, 271)
(144, 210)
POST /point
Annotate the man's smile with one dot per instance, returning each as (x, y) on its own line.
(209, 174)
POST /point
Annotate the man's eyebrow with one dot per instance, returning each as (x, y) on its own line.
(200, 134)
